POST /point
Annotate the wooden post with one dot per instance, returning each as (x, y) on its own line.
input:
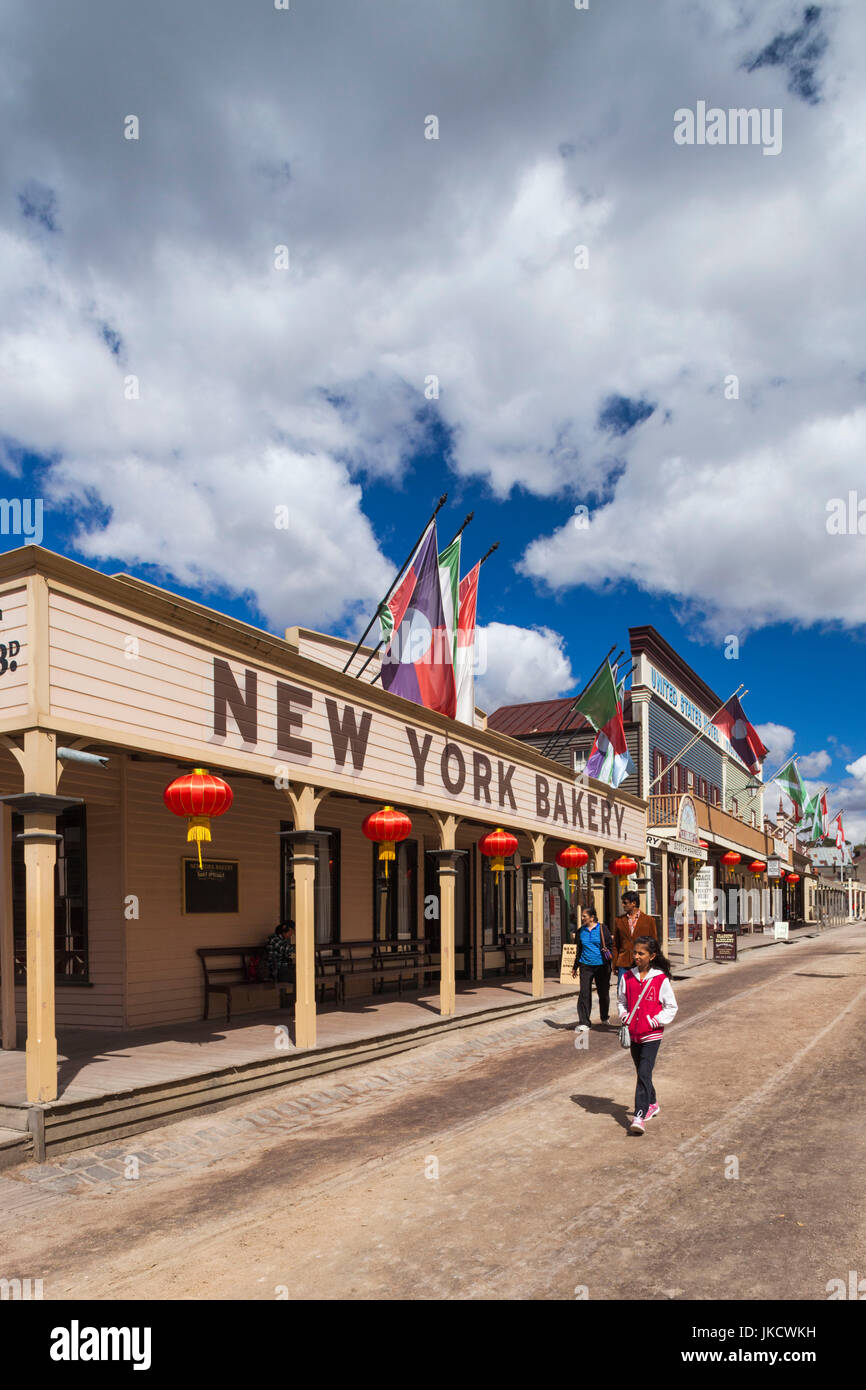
(305, 801)
(7, 944)
(304, 868)
(447, 862)
(597, 887)
(685, 899)
(537, 881)
(665, 933)
(40, 854)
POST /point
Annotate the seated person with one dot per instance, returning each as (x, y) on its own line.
(280, 952)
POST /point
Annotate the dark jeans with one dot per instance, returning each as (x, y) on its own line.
(644, 1056)
(601, 975)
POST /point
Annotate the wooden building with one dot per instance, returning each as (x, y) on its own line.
(103, 909)
(706, 805)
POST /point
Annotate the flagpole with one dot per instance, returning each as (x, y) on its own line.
(691, 743)
(380, 643)
(617, 681)
(577, 699)
(763, 786)
(440, 504)
(485, 556)
(561, 730)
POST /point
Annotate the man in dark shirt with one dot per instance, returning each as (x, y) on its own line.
(280, 952)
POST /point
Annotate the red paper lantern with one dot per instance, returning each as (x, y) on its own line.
(198, 795)
(757, 867)
(703, 844)
(622, 867)
(793, 878)
(572, 859)
(498, 845)
(385, 828)
(730, 860)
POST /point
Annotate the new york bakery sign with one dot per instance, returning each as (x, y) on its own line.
(303, 727)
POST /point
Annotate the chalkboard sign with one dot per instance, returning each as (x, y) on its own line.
(724, 945)
(211, 888)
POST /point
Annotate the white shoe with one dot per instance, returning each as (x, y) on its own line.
(583, 1027)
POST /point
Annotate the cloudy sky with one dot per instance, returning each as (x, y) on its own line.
(650, 357)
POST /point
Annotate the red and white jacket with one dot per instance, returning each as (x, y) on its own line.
(658, 1006)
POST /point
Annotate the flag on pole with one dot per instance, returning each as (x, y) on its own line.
(840, 834)
(599, 700)
(743, 737)
(391, 612)
(464, 651)
(610, 760)
(418, 663)
(449, 583)
(817, 817)
(791, 782)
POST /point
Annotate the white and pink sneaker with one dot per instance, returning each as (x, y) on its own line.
(653, 1110)
(637, 1124)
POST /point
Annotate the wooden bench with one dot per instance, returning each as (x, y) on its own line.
(231, 969)
(517, 946)
(374, 961)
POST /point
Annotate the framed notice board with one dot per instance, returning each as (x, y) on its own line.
(211, 888)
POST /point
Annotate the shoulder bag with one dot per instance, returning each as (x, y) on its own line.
(624, 1035)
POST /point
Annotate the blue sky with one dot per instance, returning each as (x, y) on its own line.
(339, 259)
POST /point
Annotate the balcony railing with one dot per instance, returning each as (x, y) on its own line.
(664, 810)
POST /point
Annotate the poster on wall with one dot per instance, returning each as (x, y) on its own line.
(704, 890)
(211, 888)
(547, 923)
(555, 917)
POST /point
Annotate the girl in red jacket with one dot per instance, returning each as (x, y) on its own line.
(646, 997)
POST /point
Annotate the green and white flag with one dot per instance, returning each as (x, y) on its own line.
(449, 583)
(598, 702)
(791, 782)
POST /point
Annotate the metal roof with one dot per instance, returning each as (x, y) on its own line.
(540, 717)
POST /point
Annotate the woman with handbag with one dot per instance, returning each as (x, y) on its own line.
(593, 960)
(646, 1003)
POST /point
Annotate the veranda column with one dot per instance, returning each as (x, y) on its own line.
(684, 894)
(597, 884)
(304, 868)
(665, 935)
(40, 855)
(304, 839)
(7, 944)
(536, 878)
(446, 858)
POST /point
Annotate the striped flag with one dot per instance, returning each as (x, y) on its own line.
(791, 782)
(393, 610)
(449, 583)
(419, 661)
(464, 651)
(610, 760)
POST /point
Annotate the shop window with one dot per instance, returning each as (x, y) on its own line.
(395, 897)
(326, 890)
(703, 789)
(503, 908)
(71, 963)
(666, 786)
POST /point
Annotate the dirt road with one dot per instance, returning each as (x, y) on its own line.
(499, 1166)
